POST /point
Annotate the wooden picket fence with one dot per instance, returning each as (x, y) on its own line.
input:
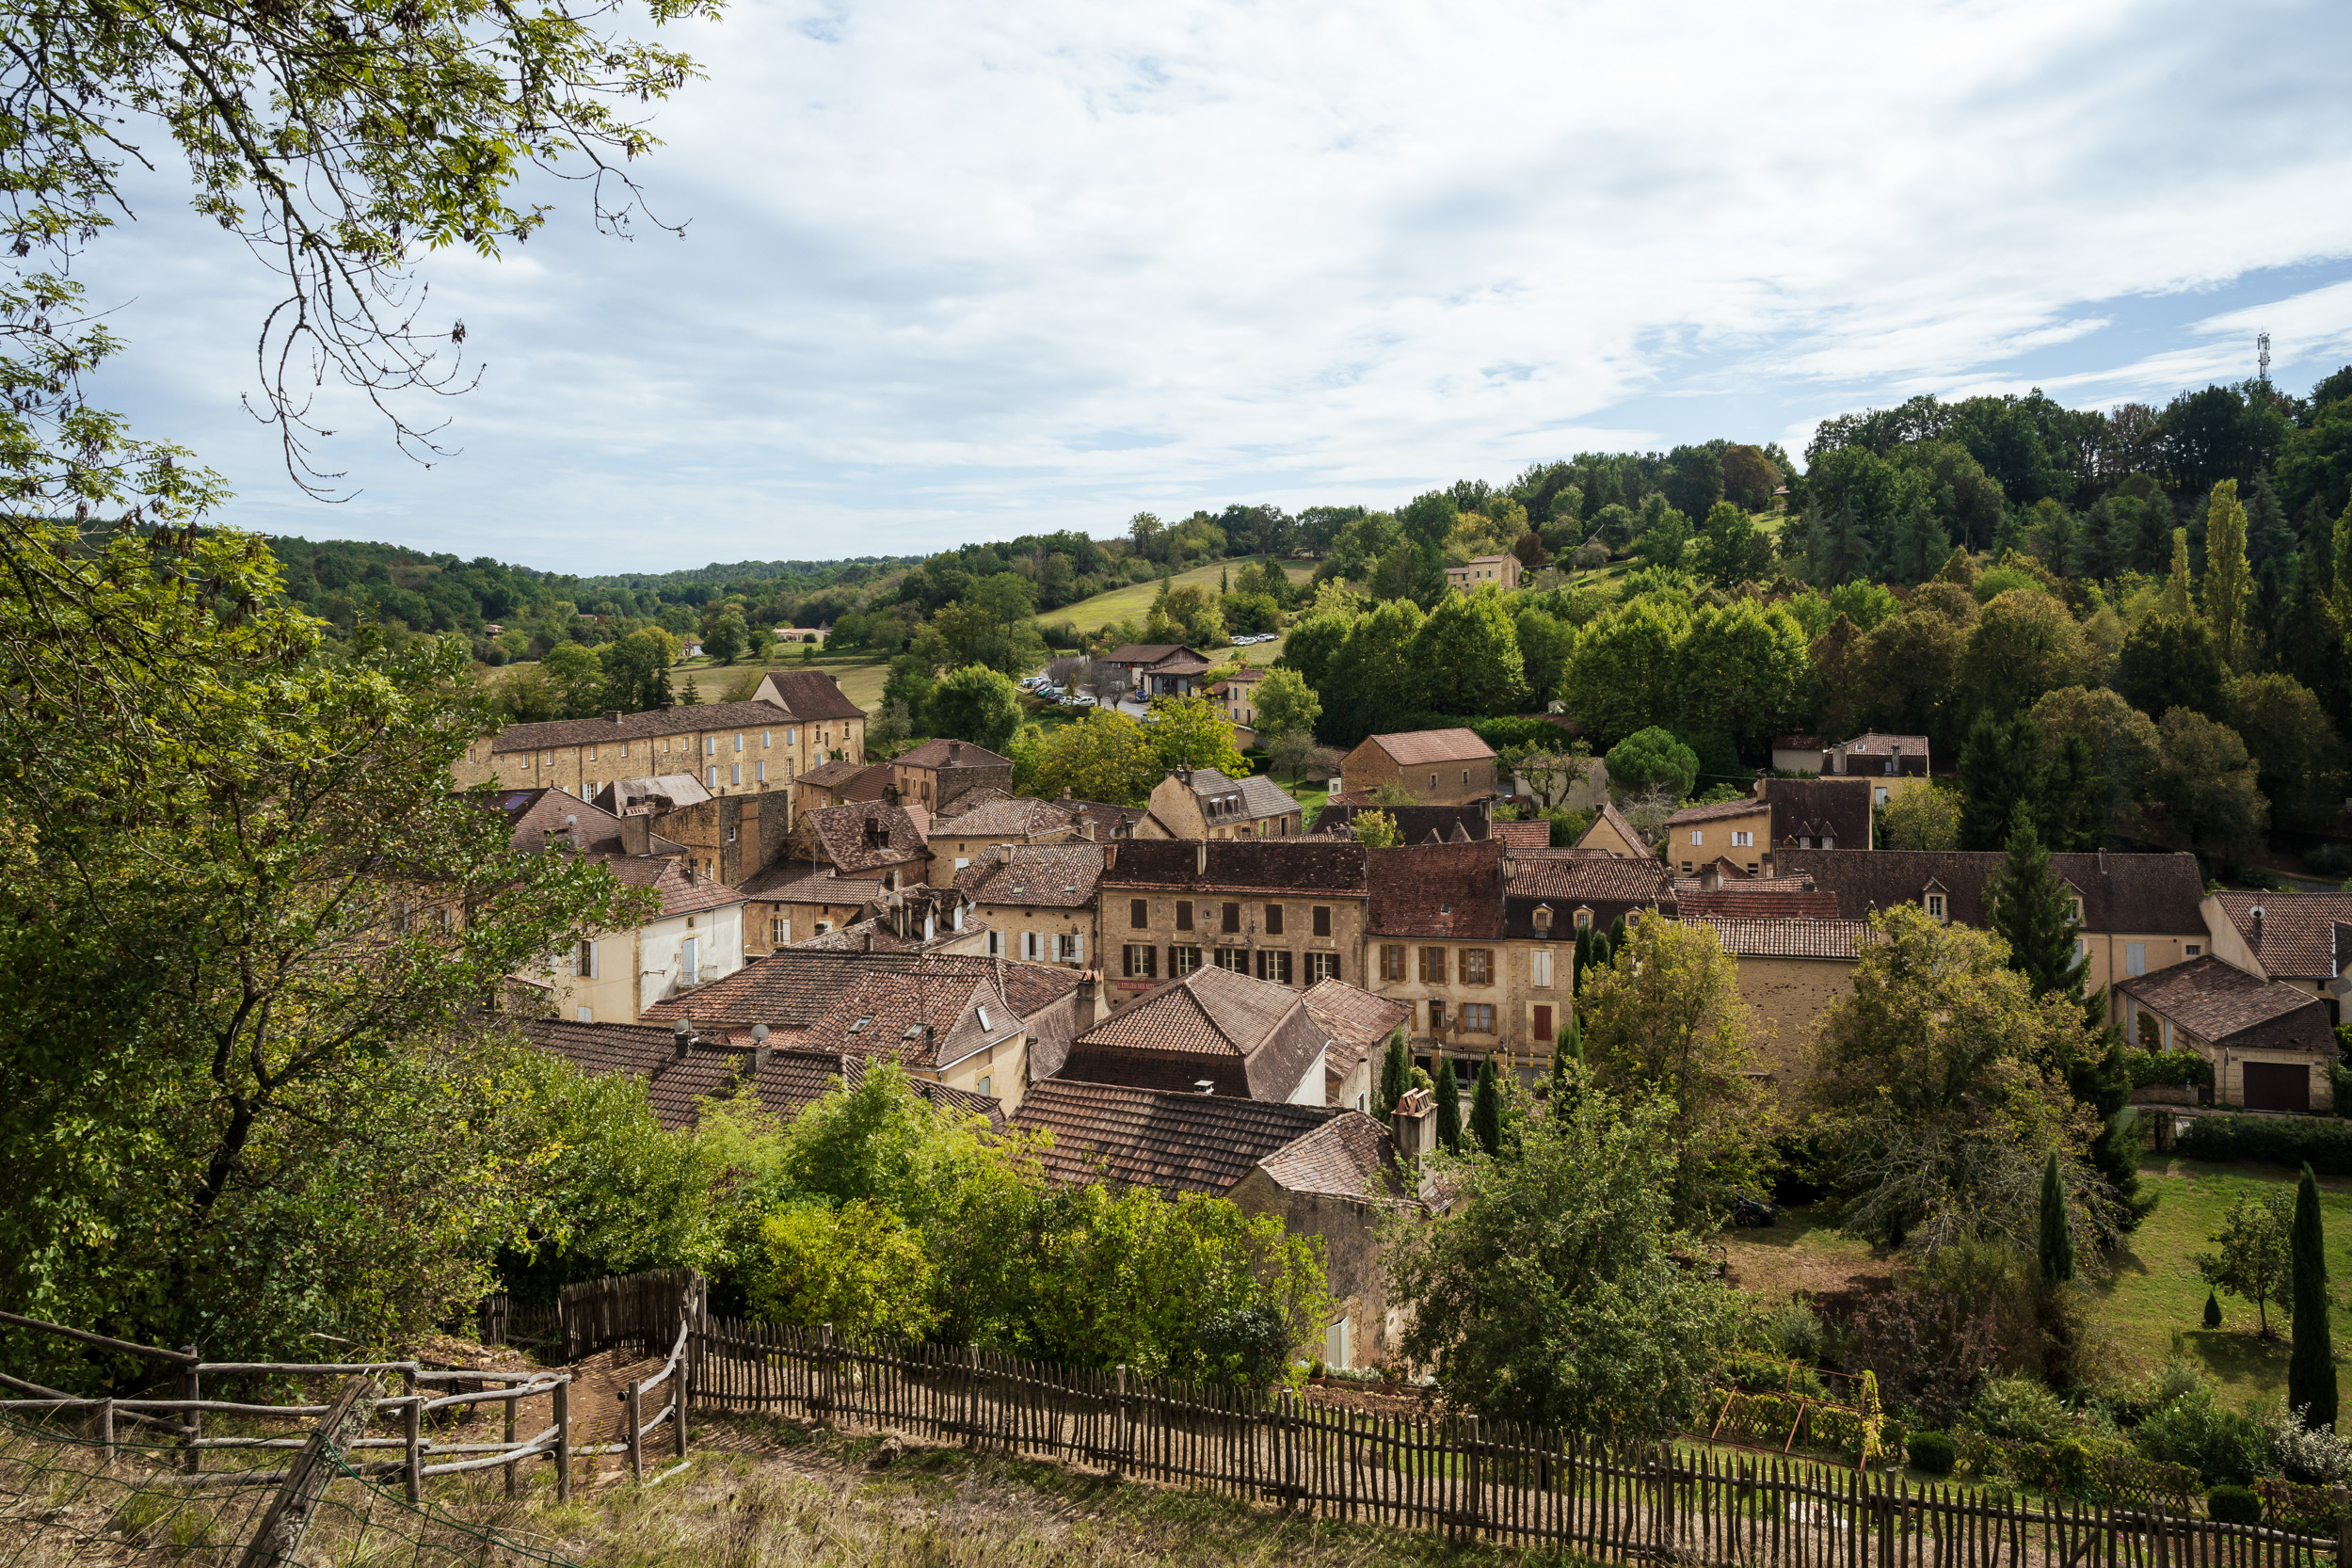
(1472, 1480)
(643, 1310)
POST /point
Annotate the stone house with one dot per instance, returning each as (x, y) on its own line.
(1159, 669)
(841, 784)
(794, 721)
(1214, 1031)
(1286, 910)
(2269, 1042)
(1882, 757)
(1791, 967)
(1357, 1024)
(2303, 939)
(1501, 571)
(1821, 813)
(1201, 803)
(836, 860)
(938, 773)
(1038, 902)
(1442, 767)
(1236, 696)
(1740, 830)
(955, 842)
(1436, 938)
(1611, 833)
(944, 1020)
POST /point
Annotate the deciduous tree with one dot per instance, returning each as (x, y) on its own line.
(2253, 1256)
(1465, 656)
(976, 704)
(2229, 581)
(1105, 756)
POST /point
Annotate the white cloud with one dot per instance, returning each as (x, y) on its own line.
(952, 269)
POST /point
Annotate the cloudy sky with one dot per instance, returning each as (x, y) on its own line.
(955, 272)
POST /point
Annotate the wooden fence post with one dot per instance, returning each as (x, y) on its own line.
(288, 1519)
(563, 1440)
(2343, 1500)
(192, 1388)
(514, 1476)
(636, 1441)
(1472, 1475)
(105, 1430)
(684, 1378)
(1119, 1439)
(412, 1428)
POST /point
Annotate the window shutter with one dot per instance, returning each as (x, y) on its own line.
(1080, 941)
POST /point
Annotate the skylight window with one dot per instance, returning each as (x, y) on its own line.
(983, 1019)
(859, 1024)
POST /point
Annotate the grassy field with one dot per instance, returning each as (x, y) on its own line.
(2154, 1302)
(1134, 600)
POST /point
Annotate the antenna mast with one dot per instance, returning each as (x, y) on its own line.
(2261, 355)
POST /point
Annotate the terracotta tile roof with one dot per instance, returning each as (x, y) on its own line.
(801, 882)
(2152, 893)
(927, 1015)
(1248, 675)
(1445, 891)
(2225, 1005)
(681, 893)
(654, 723)
(866, 835)
(1875, 744)
(1348, 1157)
(1817, 808)
(1151, 654)
(875, 935)
(533, 815)
(1524, 835)
(1011, 815)
(1418, 747)
(2303, 936)
(1354, 1021)
(934, 753)
(1058, 877)
(1750, 903)
(793, 988)
(1785, 936)
(830, 775)
(792, 1081)
(1292, 866)
(1414, 824)
(1746, 805)
(1251, 1038)
(1589, 878)
(810, 695)
(1111, 822)
(1169, 1141)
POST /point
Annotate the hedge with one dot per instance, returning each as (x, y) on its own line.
(2180, 1068)
(2288, 1141)
(1933, 1452)
(2233, 1505)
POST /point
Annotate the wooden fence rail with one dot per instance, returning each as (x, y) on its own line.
(1471, 1480)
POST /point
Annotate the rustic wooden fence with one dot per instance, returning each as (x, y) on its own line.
(1471, 1480)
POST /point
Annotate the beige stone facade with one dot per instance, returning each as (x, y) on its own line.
(1290, 911)
(1441, 767)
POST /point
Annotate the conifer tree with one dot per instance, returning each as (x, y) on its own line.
(1959, 569)
(2000, 778)
(1583, 958)
(2311, 1365)
(1602, 953)
(658, 693)
(1486, 1109)
(1396, 1076)
(2229, 580)
(2033, 912)
(2057, 1251)
(693, 693)
(2213, 1309)
(1447, 1088)
(2177, 602)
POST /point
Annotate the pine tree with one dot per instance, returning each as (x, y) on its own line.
(2229, 580)
(2213, 1311)
(2075, 797)
(1602, 953)
(1396, 1076)
(1486, 1109)
(658, 693)
(1447, 1088)
(693, 694)
(2000, 778)
(2026, 902)
(2311, 1364)
(2056, 1252)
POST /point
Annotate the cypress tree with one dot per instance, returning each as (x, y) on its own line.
(2057, 1239)
(2032, 912)
(2312, 1365)
(1616, 934)
(1583, 959)
(1486, 1109)
(1602, 955)
(1396, 1076)
(1567, 1067)
(2000, 778)
(2213, 1311)
(2227, 575)
(1448, 1088)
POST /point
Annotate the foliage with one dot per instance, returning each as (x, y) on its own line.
(1445, 1087)
(2325, 1145)
(1486, 1109)
(2027, 907)
(2312, 1369)
(1191, 733)
(1925, 818)
(2020, 1409)
(2251, 1260)
(1550, 1291)
(1465, 656)
(1932, 1452)
(2233, 1505)
(977, 704)
(857, 1269)
(1284, 702)
(1375, 829)
(2001, 778)
(1395, 1078)
(2191, 1428)
(2054, 1252)
(2202, 790)
(1652, 756)
(2310, 1450)
(1105, 756)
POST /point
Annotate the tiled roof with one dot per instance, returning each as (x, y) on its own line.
(1168, 1142)
(877, 936)
(829, 775)
(1746, 805)
(1354, 1021)
(2302, 936)
(1785, 936)
(682, 892)
(1111, 822)
(793, 988)
(1295, 866)
(2226, 1005)
(1748, 902)
(864, 835)
(1061, 876)
(806, 882)
(927, 1015)
(653, 724)
(1248, 675)
(791, 1081)
(1148, 654)
(1348, 1157)
(1414, 824)
(1817, 808)
(1524, 835)
(1260, 796)
(1251, 1038)
(1445, 891)
(1417, 747)
(533, 815)
(1589, 878)
(1012, 815)
(934, 753)
(1615, 821)
(811, 694)
(2152, 893)
(1875, 744)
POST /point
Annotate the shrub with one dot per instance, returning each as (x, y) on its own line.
(2314, 1456)
(2233, 1505)
(2020, 1410)
(1933, 1451)
(2171, 1067)
(2271, 1140)
(2221, 1445)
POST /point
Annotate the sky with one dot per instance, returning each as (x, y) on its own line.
(952, 273)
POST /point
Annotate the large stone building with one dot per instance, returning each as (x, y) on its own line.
(796, 720)
(1791, 968)
(1440, 767)
(939, 774)
(1435, 941)
(1201, 803)
(2302, 939)
(1286, 910)
(1038, 902)
(836, 861)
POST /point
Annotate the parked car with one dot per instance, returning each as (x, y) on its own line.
(1749, 1211)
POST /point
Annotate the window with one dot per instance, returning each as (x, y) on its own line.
(1232, 918)
(550, 759)
(1184, 914)
(1743, 840)
(2194, 949)
(963, 863)
(779, 932)
(1478, 966)
(714, 778)
(587, 1015)
(1322, 966)
(2134, 958)
(1322, 920)
(824, 926)
(2078, 911)
(1275, 964)
(1392, 961)
(1273, 920)
(690, 960)
(1139, 913)
(1183, 961)
(761, 771)
(792, 734)
(767, 738)
(1141, 961)
(739, 739)
(985, 1079)
(1436, 1015)
(1877, 794)
(1540, 970)
(1432, 781)
(710, 746)
(984, 1022)
(1935, 905)
(1584, 920)
(1030, 947)
(584, 963)
(1432, 965)
(1478, 1017)
(996, 944)
(1235, 959)
(592, 754)
(736, 776)
(1465, 776)
(1698, 836)
(1071, 947)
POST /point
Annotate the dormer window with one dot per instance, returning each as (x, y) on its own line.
(1584, 920)
(1935, 907)
(2078, 910)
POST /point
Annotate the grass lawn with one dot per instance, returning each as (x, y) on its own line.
(1134, 600)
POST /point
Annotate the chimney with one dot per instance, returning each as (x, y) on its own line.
(931, 925)
(1710, 878)
(681, 1036)
(1200, 858)
(1065, 791)
(1004, 855)
(1088, 991)
(1414, 1125)
(955, 753)
(760, 1052)
(637, 833)
(2258, 923)
(1110, 856)
(1086, 830)
(612, 715)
